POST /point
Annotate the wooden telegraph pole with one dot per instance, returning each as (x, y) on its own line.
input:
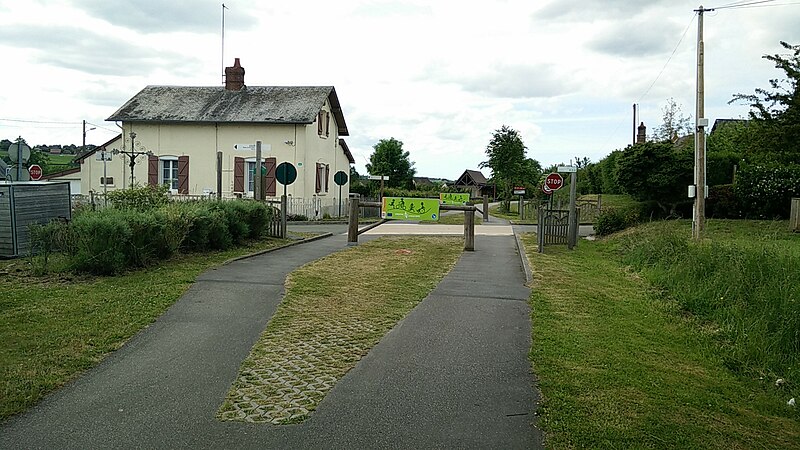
(699, 223)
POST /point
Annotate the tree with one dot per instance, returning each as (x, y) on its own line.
(674, 124)
(390, 159)
(775, 113)
(656, 171)
(508, 163)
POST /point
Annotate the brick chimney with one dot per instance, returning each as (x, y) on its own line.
(234, 77)
(641, 133)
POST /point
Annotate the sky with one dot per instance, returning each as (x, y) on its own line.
(439, 75)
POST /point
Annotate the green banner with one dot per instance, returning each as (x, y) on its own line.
(410, 208)
(453, 198)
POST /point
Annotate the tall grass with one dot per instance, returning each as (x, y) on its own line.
(745, 291)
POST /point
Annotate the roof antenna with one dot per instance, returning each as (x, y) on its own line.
(223, 42)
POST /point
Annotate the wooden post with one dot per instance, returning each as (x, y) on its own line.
(469, 229)
(540, 229)
(352, 224)
(485, 208)
(794, 215)
(219, 175)
(284, 203)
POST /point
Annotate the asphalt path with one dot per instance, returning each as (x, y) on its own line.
(453, 373)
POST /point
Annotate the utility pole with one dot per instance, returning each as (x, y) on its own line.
(699, 223)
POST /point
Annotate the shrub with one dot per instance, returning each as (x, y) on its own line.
(296, 217)
(722, 202)
(99, 242)
(617, 219)
(236, 218)
(139, 197)
(765, 192)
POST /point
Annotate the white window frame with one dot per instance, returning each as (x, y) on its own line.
(161, 180)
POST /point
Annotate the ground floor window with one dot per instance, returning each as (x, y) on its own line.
(169, 173)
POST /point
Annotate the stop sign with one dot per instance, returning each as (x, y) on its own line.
(552, 183)
(36, 172)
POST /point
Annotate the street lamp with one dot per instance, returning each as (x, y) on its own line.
(132, 154)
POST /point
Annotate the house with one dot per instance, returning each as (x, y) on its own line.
(174, 133)
(475, 182)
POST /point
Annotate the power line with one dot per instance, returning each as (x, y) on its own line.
(668, 60)
(39, 121)
(741, 4)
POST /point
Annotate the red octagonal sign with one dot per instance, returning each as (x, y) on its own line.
(552, 183)
(36, 172)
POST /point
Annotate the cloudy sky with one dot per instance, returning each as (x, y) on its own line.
(439, 75)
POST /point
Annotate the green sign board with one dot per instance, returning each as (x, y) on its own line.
(454, 198)
(410, 208)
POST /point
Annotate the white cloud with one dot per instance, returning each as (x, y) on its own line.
(440, 76)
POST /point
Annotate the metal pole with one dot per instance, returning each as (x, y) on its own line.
(219, 175)
(105, 177)
(19, 159)
(283, 214)
(257, 194)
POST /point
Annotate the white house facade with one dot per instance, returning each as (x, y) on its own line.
(175, 132)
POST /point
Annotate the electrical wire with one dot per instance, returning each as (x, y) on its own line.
(741, 4)
(668, 59)
(39, 121)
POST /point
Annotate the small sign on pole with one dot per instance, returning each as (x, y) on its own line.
(567, 169)
(519, 190)
(35, 171)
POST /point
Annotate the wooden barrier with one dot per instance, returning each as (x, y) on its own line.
(794, 215)
(355, 204)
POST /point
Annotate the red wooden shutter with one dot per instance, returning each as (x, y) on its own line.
(319, 123)
(152, 170)
(318, 185)
(327, 175)
(238, 174)
(271, 183)
(183, 174)
(327, 124)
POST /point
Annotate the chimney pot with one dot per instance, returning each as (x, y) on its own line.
(234, 76)
(641, 135)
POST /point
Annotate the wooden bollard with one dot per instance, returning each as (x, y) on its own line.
(469, 229)
(352, 224)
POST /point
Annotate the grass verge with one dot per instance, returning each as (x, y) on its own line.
(54, 327)
(329, 319)
(619, 365)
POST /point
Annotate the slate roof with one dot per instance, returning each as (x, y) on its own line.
(471, 178)
(214, 104)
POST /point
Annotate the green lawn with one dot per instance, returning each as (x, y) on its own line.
(55, 327)
(621, 364)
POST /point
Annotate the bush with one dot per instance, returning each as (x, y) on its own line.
(765, 192)
(139, 198)
(722, 202)
(617, 219)
(236, 218)
(99, 242)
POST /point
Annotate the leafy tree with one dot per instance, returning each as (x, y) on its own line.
(657, 172)
(508, 163)
(775, 112)
(674, 124)
(390, 159)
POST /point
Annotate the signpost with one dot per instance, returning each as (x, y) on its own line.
(410, 208)
(245, 147)
(285, 173)
(340, 178)
(380, 177)
(35, 171)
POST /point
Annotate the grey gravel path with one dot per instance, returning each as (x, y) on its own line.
(453, 374)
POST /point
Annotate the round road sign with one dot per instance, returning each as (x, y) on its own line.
(340, 178)
(553, 182)
(36, 172)
(285, 173)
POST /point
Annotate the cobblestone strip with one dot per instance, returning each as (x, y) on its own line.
(315, 337)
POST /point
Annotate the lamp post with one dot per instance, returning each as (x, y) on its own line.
(132, 154)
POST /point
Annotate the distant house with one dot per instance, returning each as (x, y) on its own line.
(475, 182)
(185, 126)
(722, 123)
(421, 182)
